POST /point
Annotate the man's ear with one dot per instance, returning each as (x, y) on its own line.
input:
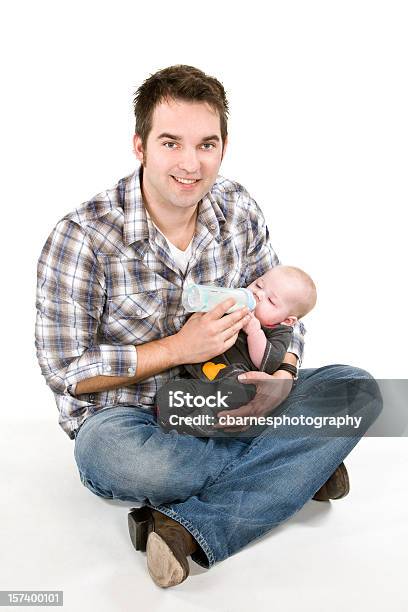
(138, 147)
(290, 321)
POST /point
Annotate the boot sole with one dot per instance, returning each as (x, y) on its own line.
(164, 568)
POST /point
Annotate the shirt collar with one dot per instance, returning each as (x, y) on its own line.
(136, 226)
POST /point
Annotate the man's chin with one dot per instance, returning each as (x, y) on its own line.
(187, 200)
(183, 202)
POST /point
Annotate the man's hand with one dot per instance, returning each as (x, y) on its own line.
(208, 334)
(269, 395)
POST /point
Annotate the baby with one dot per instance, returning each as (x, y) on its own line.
(283, 295)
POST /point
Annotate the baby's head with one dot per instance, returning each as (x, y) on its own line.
(284, 294)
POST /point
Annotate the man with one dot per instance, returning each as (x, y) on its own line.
(111, 330)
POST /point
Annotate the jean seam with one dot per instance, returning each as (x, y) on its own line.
(190, 527)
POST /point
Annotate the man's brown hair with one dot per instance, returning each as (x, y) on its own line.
(178, 82)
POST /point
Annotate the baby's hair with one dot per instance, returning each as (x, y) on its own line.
(308, 297)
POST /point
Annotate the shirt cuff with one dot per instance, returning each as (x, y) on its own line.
(101, 360)
(296, 345)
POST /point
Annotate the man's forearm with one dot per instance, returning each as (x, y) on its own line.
(152, 358)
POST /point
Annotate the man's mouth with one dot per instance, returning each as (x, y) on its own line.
(184, 181)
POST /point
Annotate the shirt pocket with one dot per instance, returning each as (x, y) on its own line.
(232, 278)
(222, 265)
(134, 318)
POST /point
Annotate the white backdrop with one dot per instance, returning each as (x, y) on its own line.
(318, 135)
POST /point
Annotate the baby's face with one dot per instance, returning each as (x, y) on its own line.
(274, 298)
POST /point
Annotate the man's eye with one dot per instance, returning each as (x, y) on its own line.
(169, 143)
(208, 144)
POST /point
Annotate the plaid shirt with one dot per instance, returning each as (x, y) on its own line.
(107, 283)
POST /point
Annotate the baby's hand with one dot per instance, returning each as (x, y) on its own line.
(253, 324)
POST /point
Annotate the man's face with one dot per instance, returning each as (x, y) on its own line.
(274, 295)
(184, 143)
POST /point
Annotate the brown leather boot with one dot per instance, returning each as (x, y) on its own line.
(336, 487)
(168, 546)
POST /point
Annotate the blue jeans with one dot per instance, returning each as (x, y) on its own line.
(225, 491)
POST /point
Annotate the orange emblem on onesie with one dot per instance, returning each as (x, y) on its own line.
(211, 369)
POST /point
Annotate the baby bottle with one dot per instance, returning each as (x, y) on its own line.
(202, 298)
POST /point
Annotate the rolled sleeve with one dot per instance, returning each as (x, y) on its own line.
(298, 342)
(102, 360)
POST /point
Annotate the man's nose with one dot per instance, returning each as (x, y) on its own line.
(189, 161)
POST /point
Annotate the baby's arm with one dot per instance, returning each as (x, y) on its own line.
(256, 340)
(267, 352)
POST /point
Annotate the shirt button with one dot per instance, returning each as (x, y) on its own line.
(138, 312)
(108, 368)
(212, 226)
(131, 370)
